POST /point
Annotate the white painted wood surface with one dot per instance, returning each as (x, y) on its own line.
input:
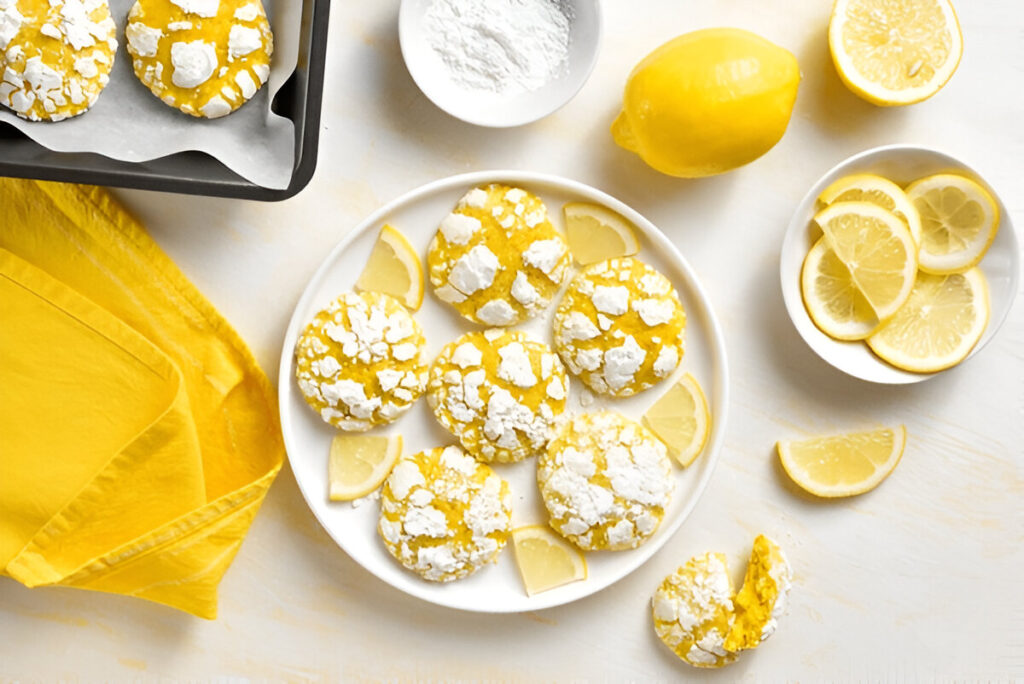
(919, 579)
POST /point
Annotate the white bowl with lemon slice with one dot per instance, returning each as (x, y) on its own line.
(977, 265)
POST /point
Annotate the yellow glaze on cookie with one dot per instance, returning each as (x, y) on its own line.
(496, 258)
(606, 481)
(55, 57)
(499, 392)
(204, 57)
(443, 514)
(361, 361)
(762, 598)
(620, 327)
(692, 611)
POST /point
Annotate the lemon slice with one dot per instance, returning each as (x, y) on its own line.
(938, 326)
(878, 250)
(545, 560)
(832, 299)
(895, 52)
(394, 268)
(843, 465)
(680, 419)
(596, 233)
(358, 464)
(867, 187)
(959, 220)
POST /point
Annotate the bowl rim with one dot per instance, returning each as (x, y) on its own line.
(405, 26)
(791, 292)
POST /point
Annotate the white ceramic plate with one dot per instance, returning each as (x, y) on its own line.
(307, 438)
(494, 109)
(902, 164)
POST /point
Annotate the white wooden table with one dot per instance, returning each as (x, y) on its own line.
(919, 579)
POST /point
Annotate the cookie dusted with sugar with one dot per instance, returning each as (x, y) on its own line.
(499, 392)
(606, 481)
(361, 361)
(55, 56)
(496, 258)
(620, 327)
(443, 514)
(205, 57)
(761, 600)
(693, 611)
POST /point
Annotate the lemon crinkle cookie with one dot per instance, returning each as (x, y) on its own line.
(55, 56)
(444, 515)
(606, 481)
(620, 327)
(361, 361)
(496, 258)
(761, 600)
(205, 57)
(499, 392)
(693, 611)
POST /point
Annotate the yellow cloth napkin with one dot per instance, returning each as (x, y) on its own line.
(138, 436)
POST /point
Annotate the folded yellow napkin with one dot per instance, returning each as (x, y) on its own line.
(138, 436)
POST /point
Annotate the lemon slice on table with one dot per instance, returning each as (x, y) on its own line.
(680, 419)
(895, 52)
(959, 220)
(358, 464)
(938, 326)
(596, 233)
(876, 247)
(545, 560)
(394, 268)
(867, 187)
(843, 465)
(831, 297)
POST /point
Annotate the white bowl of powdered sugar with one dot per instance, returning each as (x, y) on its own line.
(500, 63)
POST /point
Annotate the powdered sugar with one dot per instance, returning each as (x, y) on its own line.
(500, 46)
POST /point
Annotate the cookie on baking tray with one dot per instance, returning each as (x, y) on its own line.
(55, 56)
(499, 392)
(205, 57)
(496, 258)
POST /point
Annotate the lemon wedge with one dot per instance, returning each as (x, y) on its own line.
(596, 233)
(959, 220)
(680, 419)
(832, 299)
(843, 465)
(358, 464)
(878, 250)
(867, 187)
(394, 268)
(545, 560)
(893, 52)
(938, 326)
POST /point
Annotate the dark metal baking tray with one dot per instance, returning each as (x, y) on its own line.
(196, 173)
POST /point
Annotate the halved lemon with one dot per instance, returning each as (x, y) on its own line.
(596, 233)
(867, 187)
(545, 560)
(938, 326)
(843, 465)
(358, 464)
(876, 247)
(832, 299)
(394, 268)
(680, 419)
(959, 220)
(895, 52)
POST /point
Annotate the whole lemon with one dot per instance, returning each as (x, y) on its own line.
(707, 101)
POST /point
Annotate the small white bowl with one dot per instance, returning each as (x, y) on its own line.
(902, 164)
(492, 109)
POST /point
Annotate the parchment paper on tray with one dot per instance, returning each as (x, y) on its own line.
(130, 124)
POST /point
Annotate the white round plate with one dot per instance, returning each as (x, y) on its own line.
(496, 588)
(902, 164)
(498, 110)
